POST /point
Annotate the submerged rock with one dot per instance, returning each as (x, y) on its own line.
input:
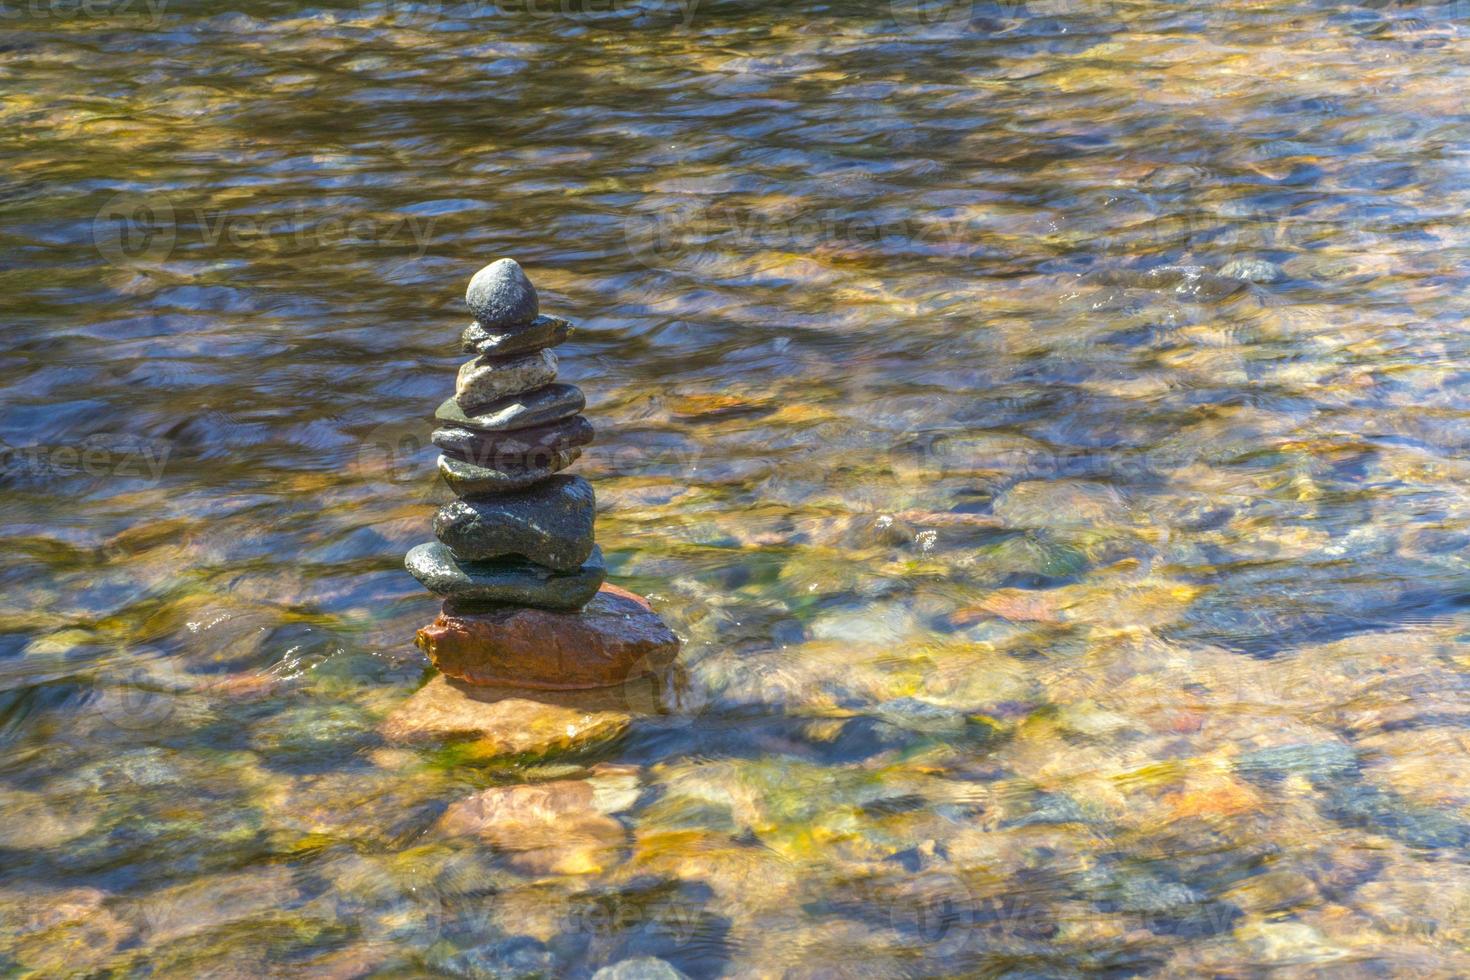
(1062, 504)
(550, 523)
(516, 958)
(542, 828)
(503, 724)
(58, 932)
(1252, 270)
(616, 638)
(35, 822)
(500, 295)
(506, 580)
(639, 968)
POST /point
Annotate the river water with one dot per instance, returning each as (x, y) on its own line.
(1045, 423)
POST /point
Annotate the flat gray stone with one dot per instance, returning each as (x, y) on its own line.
(522, 411)
(550, 524)
(489, 379)
(500, 295)
(507, 581)
(516, 448)
(470, 480)
(544, 331)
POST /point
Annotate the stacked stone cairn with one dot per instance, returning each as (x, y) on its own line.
(525, 604)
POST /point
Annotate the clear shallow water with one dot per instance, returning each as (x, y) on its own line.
(1053, 603)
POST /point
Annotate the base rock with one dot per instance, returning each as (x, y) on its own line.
(612, 641)
(501, 723)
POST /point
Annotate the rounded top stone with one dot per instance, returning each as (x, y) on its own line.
(500, 295)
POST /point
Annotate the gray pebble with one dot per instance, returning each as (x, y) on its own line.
(501, 296)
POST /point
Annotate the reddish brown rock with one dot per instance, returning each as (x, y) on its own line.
(613, 640)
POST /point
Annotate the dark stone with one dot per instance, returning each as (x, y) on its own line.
(477, 584)
(501, 296)
(517, 449)
(469, 480)
(518, 411)
(544, 331)
(550, 524)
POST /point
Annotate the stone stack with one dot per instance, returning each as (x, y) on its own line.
(516, 562)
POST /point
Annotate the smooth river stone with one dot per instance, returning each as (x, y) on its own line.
(614, 640)
(523, 411)
(517, 448)
(501, 296)
(550, 524)
(544, 331)
(473, 584)
(485, 380)
(469, 480)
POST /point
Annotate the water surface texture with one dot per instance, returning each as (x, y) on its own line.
(1045, 422)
